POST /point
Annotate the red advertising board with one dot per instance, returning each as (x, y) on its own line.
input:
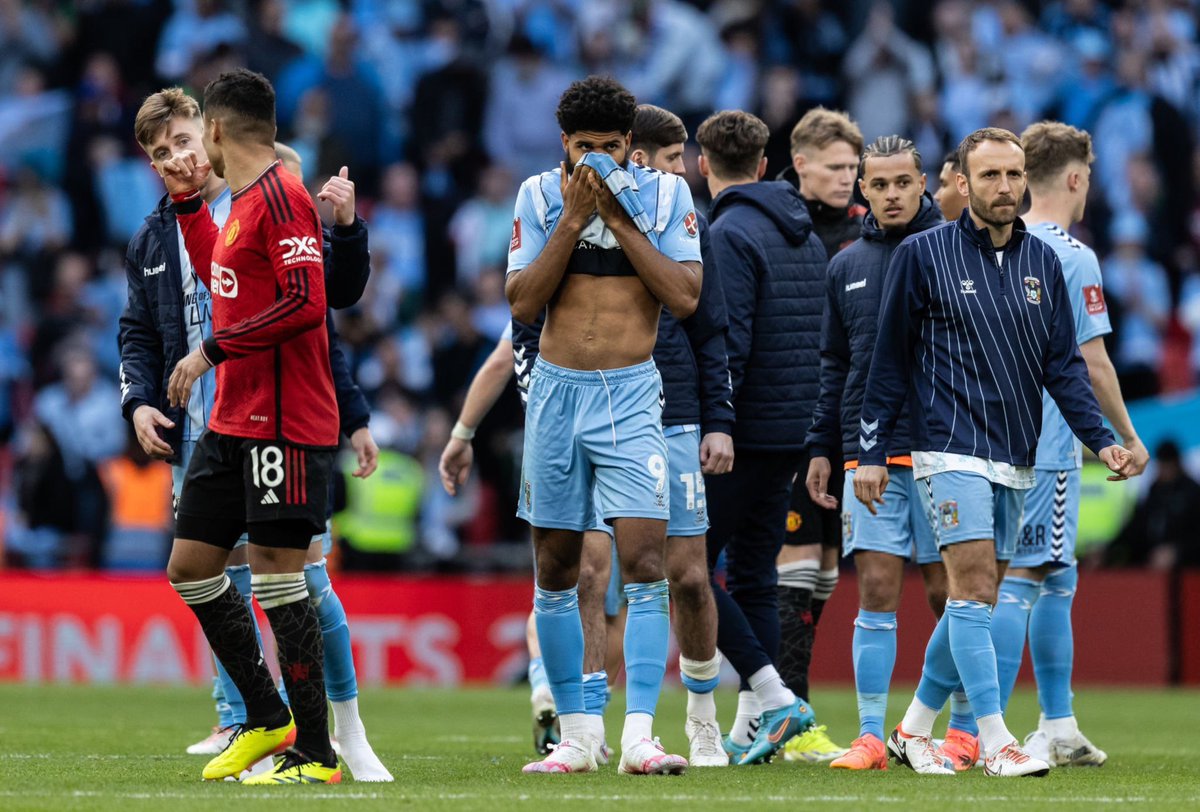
(91, 628)
(94, 628)
(1120, 619)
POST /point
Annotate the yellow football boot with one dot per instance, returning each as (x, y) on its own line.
(297, 768)
(248, 745)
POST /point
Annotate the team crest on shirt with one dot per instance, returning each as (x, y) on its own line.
(794, 521)
(1093, 299)
(847, 526)
(231, 232)
(948, 514)
(515, 242)
(1033, 290)
(689, 224)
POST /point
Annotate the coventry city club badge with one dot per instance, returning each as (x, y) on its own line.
(1033, 290)
(948, 514)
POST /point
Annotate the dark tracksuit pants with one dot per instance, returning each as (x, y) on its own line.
(747, 512)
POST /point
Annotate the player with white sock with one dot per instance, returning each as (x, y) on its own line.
(976, 320)
(1037, 593)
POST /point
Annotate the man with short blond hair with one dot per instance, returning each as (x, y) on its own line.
(1037, 593)
(976, 320)
(826, 145)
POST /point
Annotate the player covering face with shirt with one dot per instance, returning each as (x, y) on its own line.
(601, 249)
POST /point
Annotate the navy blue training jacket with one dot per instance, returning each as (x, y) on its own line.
(976, 341)
(691, 357)
(853, 289)
(153, 336)
(772, 271)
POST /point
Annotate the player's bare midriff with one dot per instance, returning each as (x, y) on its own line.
(600, 322)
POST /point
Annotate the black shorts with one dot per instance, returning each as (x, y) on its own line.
(806, 522)
(275, 490)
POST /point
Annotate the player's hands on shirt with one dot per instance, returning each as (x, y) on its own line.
(611, 211)
(1120, 461)
(870, 481)
(186, 373)
(183, 173)
(455, 464)
(367, 452)
(579, 199)
(339, 190)
(716, 453)
(146, 421)
(817, 482)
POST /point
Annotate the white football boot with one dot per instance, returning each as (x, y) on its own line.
(647, 757)
(704, 740)
(1011, 761)
(918, 753)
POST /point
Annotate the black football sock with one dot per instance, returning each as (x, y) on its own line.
(284, 598)
(796, 628)
(230, 632)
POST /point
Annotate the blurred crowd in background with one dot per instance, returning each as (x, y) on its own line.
(440, 108)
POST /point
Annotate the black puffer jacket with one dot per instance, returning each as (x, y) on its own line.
(838, 227)
(772, 270)
(853, 288)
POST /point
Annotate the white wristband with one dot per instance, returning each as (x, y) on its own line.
(462, 432)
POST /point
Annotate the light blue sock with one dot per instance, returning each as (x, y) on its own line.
(1010, 622)
(240, 576)
(341, 684)
(224, 709)
(939, 674)
(961, 717)
(647, 627)
(1052, 644)
(874, 650)
(971, 645)
(595, 692)
(537, 675)
(560, 633)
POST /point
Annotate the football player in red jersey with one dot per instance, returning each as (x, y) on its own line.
(265, 462)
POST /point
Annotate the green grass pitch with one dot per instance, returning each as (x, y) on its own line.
(121, 748)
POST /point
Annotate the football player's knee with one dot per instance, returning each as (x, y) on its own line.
(878, 591)
(690, 586)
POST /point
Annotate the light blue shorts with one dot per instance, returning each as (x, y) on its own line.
(901, 527)
(689, 507)
(965, 506)
(593, 429)
(1051, 521)
(180, 469)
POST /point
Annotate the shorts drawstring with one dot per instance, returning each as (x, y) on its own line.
(612, 421)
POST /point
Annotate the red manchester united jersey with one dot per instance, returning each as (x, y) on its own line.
(265, 271)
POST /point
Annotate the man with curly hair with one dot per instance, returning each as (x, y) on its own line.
(600, 245)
